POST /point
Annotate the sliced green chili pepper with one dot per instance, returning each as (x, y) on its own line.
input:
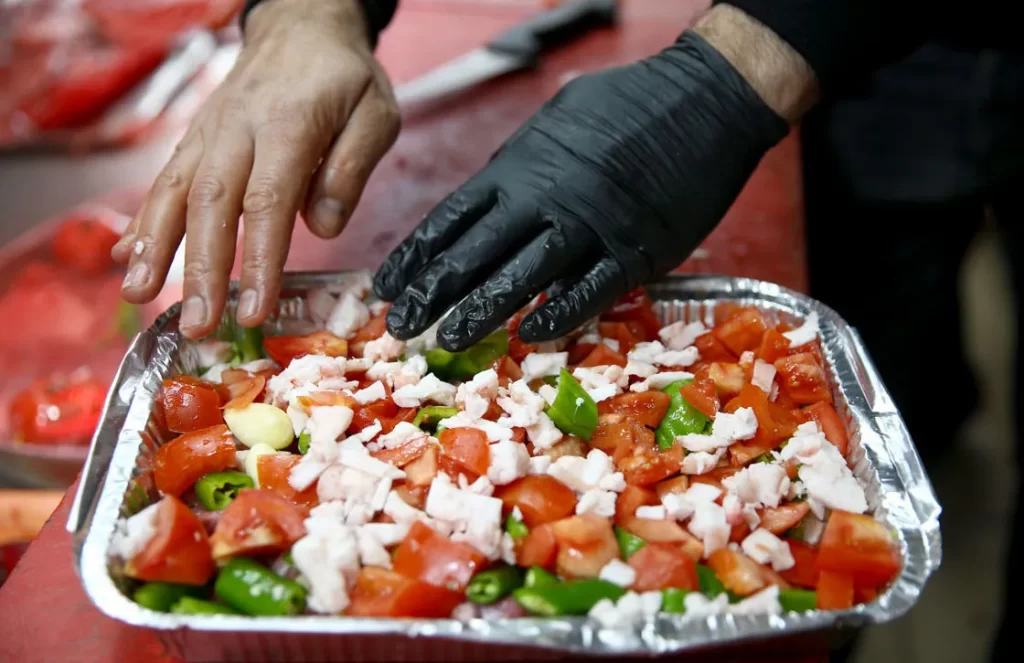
(764, 458)
(218, 489)
(574, 411)
(304, 440)
(160, 596)
(681, 418)
(492, 586)
(246, 342)
(516, 528)
(253, 589)
(538, 577)
(467, 363)
(573, 597)
(710, 585)
(188, 605)
(672, 600)
(798, 600)
(628, 543)
(428, 417)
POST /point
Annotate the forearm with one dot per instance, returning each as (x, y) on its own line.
(372, 15)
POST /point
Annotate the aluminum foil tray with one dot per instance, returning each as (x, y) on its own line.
(117, 481)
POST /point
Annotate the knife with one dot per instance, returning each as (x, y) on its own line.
(518, 48)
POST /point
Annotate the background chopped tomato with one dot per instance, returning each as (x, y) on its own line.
(702, 394)
(585, 544)
(428, 556)
(83, 243)
(622, 333)
(712, 349)
(245, 392)
(382, 593)
(774, 346)
(602, 355)
(257, 522)
(636, 306)
(728, 378)
(784, 517)
(663, 566)
(740, 574)
(646, 466)
(54, 411)
(632, 498)
(181, 462)
(178, 552)
(540, 498)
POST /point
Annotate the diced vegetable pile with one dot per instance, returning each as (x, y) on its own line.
(625, 470)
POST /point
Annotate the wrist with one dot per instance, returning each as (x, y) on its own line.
(776, 72)
(271, 17)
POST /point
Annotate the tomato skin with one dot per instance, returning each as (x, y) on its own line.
(245, 392)
(774, 346)
(602, 355)
(540, 498)
(585, 544)
(646, 467)
(539, 548)
(189, 405)
(630, 499)
(369, 414)
(618, 435)
(84, 243)
(179, 552)
(742, 331)
(372, 330)
(830, 424)
(835, 591)
(711, 349)
(860, 546)
(78, 404)
(661, 566)
(382, 593)
(283, 349)
(784, 517)
(804, 572)
(182, 461)
(702, 394)
(274, 470)
(468, 448)
(647, 408)
(257, 522)
(405, 454)
(430, 557)
(803, 379)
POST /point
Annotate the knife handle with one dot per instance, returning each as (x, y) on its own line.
(554, 27)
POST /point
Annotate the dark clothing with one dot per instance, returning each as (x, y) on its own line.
(378, 15)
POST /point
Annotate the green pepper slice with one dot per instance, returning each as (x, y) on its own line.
(304, 440)
(628, 543)
(188, 605)
(428, 417)
(516, 528)
(255, 590)
(798, 600)
(492, 586)
(467, 363)
(537, 576)
(573, 597)
(246, 342)
(709, 583)
(218, 489)
(681, 418)
(574, 411)
(673, 600)
(160, 596)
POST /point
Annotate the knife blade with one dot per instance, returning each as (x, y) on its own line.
(517, 48)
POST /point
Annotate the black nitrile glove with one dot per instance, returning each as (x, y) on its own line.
(610, 185)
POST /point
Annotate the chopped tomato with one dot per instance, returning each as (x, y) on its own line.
(539, 548)
(540, 498)
(257, 522)
(406, 414)
(632, 498)
(371, 331)
(468, 447)
(579, 351)
(382, 593)
(803, 379)
(182, 461)
(859, 545)
(727, 378)
(621, 333)
(326, 398)
(645, 466)
(665, 531)
(245, 393)
(274, 470)
(702, 393)
(830, 424)
(422, 470)
(648, 407)
(283, 349)
(774, 425)
(714, 478)
(740, 574)
(508, 370)
(675, 485)
(403, 455)
(84, 243)
(636, 307)
(602, 355)
(585, 544)
(178, 552)
(663, 566)
(774, 346)
(52, 412)
(711, 349)
(618, 435)
(427, 555)
(742, 331)
(864, 594)
(783, 517)
(835, 591)
(369, 414)
(804, 572)
(518, 350)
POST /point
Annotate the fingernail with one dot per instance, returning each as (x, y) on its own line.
(124, 241)
(137, 276)
(248, 303)
(193, 312)
(329, 214)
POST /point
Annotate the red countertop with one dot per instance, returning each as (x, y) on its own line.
(44, 614)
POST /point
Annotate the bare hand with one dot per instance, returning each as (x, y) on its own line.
(299, 123)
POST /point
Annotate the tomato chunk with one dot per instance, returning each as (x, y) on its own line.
(783, 517)
(428, 556)
(274, 470)
(647, 408)
(245, 392)
(405, 454)
(282, 349)
(636, 306)
(618, 435)
(540, 498)
(740, 574)
(712, 349)
(835, 591)
(728, 378)
(602, 355)
(190, 404)
(663, 566)
(630, 499)
(621, 333)
(468, 447)
(257, 522)
(830, 424)
(539, 548)
(702, 394)
(803, 379)
(182, 461)
(585, 544)
(804, 572)
(382, 593)
(178, 552)
(774, 346)
(860, 546)
(646, 466)
(742, 331)
(665, 531)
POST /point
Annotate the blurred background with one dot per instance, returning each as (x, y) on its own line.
(94, 95)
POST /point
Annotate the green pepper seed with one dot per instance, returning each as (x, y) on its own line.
(218, 489)
(253, 589)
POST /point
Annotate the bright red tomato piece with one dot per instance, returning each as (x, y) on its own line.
(830, 424)
(182, 461)
(178, 552)
(804, 572)
(468, 447)
(636, 306)
(403, 455)
(740, 574)
(742, 331)
(539, 548)
(508, 370)
(663, 566)
(602, 355)
(784, 517)
(274, 470)
(245, 392)
(540, 498)
(585, 544)
(257, 522)
(190, 404)
(728, 379)
(665, 531)
(648, 407)
(835, 591)
(858, 545)
(702, 393)
(774, 346)
(712, 349)
(803, 379)
(621, 332)
(84, 243)
(283, 349)
(382, 593)
(630, 500)
(428, 556)
(646, 466)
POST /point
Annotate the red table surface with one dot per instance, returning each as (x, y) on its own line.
(44, 614)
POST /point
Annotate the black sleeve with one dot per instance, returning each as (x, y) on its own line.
(378, 14)
(844, 39)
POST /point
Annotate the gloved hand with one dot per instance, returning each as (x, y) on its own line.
(610, 185)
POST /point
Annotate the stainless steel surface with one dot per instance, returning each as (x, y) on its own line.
(881, 452)
(461, 73)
